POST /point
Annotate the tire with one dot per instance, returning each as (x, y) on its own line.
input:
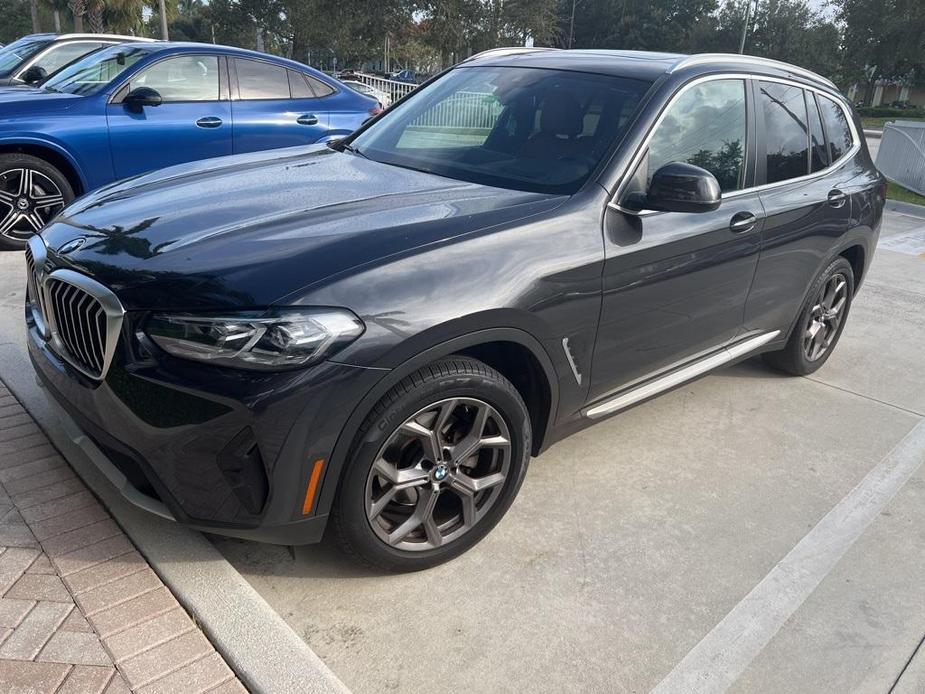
(378, 522)
(803, 355)
(25, 209)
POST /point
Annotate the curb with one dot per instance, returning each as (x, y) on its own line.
(907, 208)
(265, 653)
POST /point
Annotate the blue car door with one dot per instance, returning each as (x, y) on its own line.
(193, 120)
(274, 107)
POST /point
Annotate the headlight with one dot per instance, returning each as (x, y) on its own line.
(270, 340)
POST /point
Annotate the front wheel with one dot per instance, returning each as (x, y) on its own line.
(32, 192)
(820, 323)
(435, 466)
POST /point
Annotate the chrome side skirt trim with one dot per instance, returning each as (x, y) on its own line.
(675, 378)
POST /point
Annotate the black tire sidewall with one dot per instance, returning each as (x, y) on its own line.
(482, 383)
(18, 161)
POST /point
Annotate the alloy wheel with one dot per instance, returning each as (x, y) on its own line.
(438, 474)
(28, 201)
(825, 317)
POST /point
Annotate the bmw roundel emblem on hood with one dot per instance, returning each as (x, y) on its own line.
(72, 245)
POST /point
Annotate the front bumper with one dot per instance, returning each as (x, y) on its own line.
(221, 450)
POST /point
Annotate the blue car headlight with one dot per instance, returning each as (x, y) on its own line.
(270, 340)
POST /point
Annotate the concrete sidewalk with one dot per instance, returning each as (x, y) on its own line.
(81, 611)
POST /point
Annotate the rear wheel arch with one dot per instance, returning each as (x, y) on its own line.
(857, 256)
(493, 345)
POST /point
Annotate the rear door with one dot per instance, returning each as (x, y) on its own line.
(192, 123)
(274, 107)
(805, 205)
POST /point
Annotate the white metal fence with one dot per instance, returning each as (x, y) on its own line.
(394, 89)
(471, 110)
(901, 156)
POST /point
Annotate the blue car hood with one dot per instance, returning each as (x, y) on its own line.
(19, 101)
(247, 230)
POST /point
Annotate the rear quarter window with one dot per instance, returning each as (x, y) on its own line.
(837, 128)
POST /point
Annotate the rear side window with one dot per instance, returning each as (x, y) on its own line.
(259, 80)
(817, 153)
(319, 87)
(785, 131)
(705, 127)
(836, 126)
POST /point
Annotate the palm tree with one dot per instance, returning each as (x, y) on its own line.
(78, 9)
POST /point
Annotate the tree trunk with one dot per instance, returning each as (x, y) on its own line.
(34, 9)
(78, 7)
(57, 16)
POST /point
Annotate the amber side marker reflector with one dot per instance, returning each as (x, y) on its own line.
(312, 489)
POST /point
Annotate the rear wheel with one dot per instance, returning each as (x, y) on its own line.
(435, 467)
(32, 192)
(820, 323)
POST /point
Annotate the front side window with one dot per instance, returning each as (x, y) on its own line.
(185, 78)
(836, 126)
(259, 80)
(18, 52)
(706, 127)
(512, 127)
(93, 72)
(60, 55)
(785, 130)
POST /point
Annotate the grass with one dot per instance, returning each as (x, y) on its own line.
(897, 192)
(877, 123)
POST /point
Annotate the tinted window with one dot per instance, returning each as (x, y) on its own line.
(817, 153)
(298, 87)
(319, 87)
(258, 80)
(92, 72)
(186, 78)
(18, 52)
(512, 127)
(62, 54)
(785, 130)
(705, 127)
(836, 127)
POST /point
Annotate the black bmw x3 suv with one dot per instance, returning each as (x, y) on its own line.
(380, 333)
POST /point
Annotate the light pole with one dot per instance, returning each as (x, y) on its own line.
(748, 16)
(163, 9)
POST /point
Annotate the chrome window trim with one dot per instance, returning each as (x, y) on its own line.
(637, 156)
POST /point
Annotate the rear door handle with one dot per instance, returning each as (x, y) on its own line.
(307, 119)
(209, 122)
(742, 221)
(837, 198)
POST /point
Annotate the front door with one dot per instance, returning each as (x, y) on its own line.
(192, 122)
(675, 284)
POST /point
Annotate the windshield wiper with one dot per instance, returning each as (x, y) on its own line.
(354, 150)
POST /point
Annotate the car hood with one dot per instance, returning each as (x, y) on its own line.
(16, 102)
(249, 230)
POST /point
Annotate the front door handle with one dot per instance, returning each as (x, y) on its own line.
(209, 122)
(742, 221)
(837, 198)
(307, 119)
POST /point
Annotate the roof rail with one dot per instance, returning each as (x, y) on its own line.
(701, 58)
(106, 36)
(507, 50)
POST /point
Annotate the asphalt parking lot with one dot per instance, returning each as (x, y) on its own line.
(748, 530)
(684, 518)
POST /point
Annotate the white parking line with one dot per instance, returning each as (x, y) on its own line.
(724, 654)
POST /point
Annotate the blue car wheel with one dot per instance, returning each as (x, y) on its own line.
(32, 192)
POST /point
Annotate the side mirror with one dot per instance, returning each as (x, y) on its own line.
(680, 187)
(140, 97)
(34, 75)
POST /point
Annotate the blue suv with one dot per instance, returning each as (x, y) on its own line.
(133, 108)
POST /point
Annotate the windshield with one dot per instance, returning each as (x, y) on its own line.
(522, 128)
(12, 56)
(91, 74)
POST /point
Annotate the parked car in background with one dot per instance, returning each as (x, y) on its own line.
(384, 98)
(128, 109)
(404, 76)
(381, 332)
(33, 58)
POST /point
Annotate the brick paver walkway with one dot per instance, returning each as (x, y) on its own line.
(81, 612)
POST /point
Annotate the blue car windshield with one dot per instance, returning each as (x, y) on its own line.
(521, 128)
(14, 55)
(92, 73)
